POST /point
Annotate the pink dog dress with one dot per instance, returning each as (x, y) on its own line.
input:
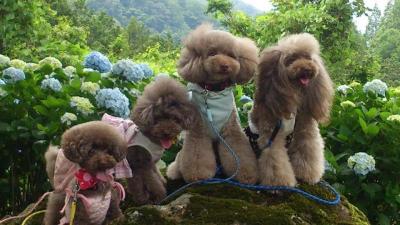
(97, 206)
(135, 137)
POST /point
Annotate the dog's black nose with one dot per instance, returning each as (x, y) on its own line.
(224, 68)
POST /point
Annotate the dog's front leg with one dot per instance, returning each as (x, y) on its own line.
(54, 205)
(274, 166)
(237, 140)
(140, 161)
(307, 150)
(197, 158)
(114, 211)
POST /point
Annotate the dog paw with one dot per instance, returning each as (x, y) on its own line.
(309, 172)
(198, 175)
(173, 172)
(284, 179)
(247, 176)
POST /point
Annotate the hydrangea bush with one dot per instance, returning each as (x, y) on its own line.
(38, 103)
(362, 145)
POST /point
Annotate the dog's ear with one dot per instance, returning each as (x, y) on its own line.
(143, 115)
(274, 95)
(190, 65)
(71, 143)
(319, 95)
(247, 52)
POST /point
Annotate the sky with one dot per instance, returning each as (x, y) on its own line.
(361, 22)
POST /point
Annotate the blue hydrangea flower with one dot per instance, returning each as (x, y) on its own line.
(147, 71)
(2, 82)
(245, 99)
(97, 61)
(114, 100)
(52, 84)
(343, 89)
(376, 86)
(12, 75)
(361, 163)
(126, 68)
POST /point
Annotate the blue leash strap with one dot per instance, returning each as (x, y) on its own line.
(231, 181)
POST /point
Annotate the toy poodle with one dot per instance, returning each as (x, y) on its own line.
(79, 173)
(213, 62)
(161, 113)
(293, 94)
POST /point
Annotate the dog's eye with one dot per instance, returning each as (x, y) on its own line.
(232, 55)
(212, 53)
(91, 151)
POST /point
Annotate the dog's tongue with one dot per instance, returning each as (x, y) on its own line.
(166, 143)
(304, 81)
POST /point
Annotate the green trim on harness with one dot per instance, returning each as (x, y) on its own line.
(220, 104)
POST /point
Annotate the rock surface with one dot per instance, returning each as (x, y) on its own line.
(224, 204)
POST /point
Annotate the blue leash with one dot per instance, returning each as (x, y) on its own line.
(231, 181)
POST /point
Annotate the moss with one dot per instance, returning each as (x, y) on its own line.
(144, 215)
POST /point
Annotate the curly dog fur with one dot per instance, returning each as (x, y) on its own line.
(292, 80)
(213, 57)
(95, 146)
(161, 113)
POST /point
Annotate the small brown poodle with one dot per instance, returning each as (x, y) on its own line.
(213, 61)
(293, 94)
(79, 169)
(159, 116)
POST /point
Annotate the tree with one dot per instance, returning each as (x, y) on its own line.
(373, 23)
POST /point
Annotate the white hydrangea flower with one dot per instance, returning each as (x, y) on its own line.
(394, 118)
(361, 163)
(70, 71)
(161, 165)
(354, 84)
(52, 84)
(347, 104)
(53, 62)
(31, 67)
(90, 87)
(18, 64)
(376, 86)
(4, 61)
(82, 104)
(343, 89)
(68, 118)
(88, 70)
(3, 93)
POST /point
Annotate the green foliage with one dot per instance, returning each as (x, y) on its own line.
(367, 127)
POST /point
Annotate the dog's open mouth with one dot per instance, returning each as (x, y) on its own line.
(166, 143)
(304, 79)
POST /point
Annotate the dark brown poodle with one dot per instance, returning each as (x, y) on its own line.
(213, 62)
(292, 86)
(89, 149)
(161, 114)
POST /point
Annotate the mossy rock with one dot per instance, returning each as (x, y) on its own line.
(224, 204)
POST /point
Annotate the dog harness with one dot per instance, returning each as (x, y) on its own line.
(220, 103)
(134, 137)
(96, 206)
(285, 126)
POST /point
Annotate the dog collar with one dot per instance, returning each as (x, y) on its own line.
(216, 87)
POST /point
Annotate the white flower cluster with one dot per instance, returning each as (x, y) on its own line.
(68, 118)
(53, 62)
(18, 64)
(82, 104)
(347, 104)
(376, 86)
(343, 89)
(52, 84)
(361, 163)
(90, 87)
(394, 118)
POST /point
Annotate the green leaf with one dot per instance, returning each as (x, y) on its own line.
(41, 110)
(385, 115)
(371, 189)
(52, 102)
(76, 83)
(371, 113)
(363, 125)
(373, 129)
(93, 77)
(5, 127)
